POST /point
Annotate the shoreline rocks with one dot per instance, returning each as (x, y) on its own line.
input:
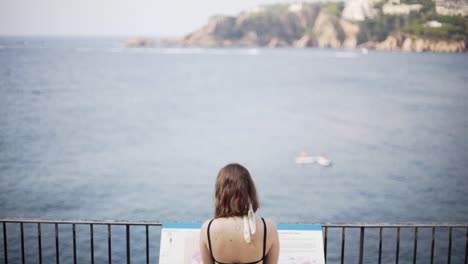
(414, 44)
(138, 42)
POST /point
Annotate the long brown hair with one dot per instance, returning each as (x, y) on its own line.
(233, 190)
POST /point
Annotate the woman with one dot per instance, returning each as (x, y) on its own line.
(236, 235)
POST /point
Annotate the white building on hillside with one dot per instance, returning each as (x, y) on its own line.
(452, 7)
(433, 24)
(394, 7)
(359, 10)
(295, 7)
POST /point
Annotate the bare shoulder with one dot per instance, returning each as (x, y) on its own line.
(205, 224)
(271, 225)
(272, 236)
(272, 242)
(204, 229)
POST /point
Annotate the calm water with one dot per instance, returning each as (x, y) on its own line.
(92, 130)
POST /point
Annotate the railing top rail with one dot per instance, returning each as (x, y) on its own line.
(159, 223)
(412, 224)
(79, 222)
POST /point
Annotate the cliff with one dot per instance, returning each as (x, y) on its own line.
(324, 25)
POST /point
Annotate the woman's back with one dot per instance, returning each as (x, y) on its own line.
(228, 244)
(236, 235)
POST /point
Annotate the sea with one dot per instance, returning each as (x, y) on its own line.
(91, 129)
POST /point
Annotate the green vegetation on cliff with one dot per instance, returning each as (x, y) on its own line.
(453, 28)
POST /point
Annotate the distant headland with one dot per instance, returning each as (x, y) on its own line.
(407, 25)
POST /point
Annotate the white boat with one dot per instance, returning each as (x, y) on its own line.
(321, 160)
(324, 161)
(303, 158)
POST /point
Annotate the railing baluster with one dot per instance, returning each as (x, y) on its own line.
(397, 255)
(109, 243)
(325, 243)
(415, 248)
(343, 230)
(361, 246)
(74, 243)
(23, 260)
(57, 253)
(147, 244)
(380, 244)
(5, 246)
(91, 239)
(128, 243)
(39, 242)
(433, 245)
(466, 247)
(450, 245)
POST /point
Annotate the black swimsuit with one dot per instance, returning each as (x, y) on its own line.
(264, 244)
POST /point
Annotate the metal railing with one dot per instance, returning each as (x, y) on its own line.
(411, 256)
(343, 242)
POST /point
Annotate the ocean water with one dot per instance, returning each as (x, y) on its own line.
(90, 129)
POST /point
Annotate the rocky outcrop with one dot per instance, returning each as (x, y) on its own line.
(390, 43)
(319, 25)
(276, 43)
(138, 42)
(271, 26)
(208, 36)
(421, 45)
(409, 43)
(325, 31)
(249, 39)
(305, 41)
(350, 31)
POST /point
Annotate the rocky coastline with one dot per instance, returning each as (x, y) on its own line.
(302, 26)
(409, 43)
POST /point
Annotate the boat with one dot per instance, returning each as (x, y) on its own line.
(303, 158)
(324, 161)
(321, 160)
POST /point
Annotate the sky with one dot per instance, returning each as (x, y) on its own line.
(140, 18)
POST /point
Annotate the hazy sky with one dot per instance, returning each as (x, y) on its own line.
(113, 17)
